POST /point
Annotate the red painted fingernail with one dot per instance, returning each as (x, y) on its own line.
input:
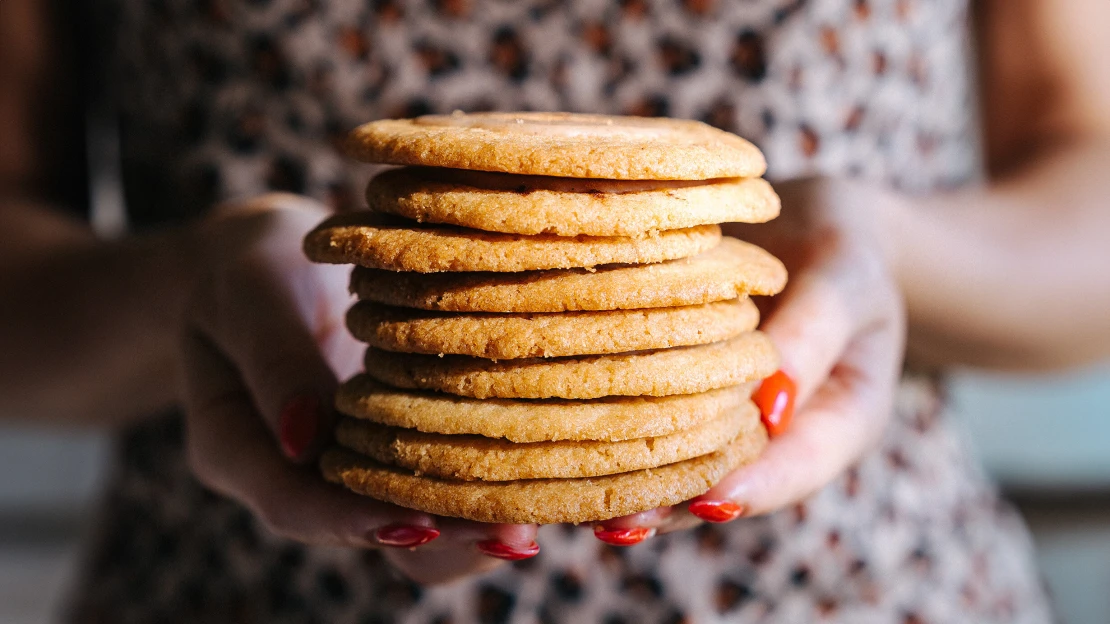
(494, 548)
(298, 424)
(623, 537)
(405, 535)
(716, 511)
(775, 399)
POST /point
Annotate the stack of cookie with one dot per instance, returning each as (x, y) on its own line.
(557, 330)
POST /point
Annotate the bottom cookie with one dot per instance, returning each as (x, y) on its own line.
(542, 501)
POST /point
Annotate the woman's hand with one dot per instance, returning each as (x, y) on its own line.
(840, 329)
(264, 343)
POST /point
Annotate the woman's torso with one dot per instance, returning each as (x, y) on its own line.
(223, 98)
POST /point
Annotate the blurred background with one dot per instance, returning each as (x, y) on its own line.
(1046, 439)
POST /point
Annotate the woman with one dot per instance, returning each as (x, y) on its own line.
(853, 515)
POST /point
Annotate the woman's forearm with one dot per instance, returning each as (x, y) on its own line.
(1015, 275)
(88, 327)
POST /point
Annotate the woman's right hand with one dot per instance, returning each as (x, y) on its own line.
(263, 345)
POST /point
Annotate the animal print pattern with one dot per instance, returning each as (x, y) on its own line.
(231, 98)
(226, 98)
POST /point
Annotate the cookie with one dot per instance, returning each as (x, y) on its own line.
(499, 202)
(558, 334)
(470, 458)
(365, 239)
(560, 144)
(609, 419)
(542, 501)
(680, 370)
(731, 269)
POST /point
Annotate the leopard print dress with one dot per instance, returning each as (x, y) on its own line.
(228, 98)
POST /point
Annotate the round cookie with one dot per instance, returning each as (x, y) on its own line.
(366, 239)
(680, 370)
(731, 269)
(500, 202)
(472, 458)
(542, 501)
(560, 144)
(557, 334)
(609, 419)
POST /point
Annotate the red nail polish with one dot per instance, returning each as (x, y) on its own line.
(404, 535)
(298, 424)
(716, 511)
(623, 537)
(775, 399)
(494, 548)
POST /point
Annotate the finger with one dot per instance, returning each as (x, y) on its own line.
(843, 289)
(263, 326)
(511, 542)
(265, 204)
(458, 552)
(635, 528)
(810, 328)
(632, 529)
(840, 421)
(232, 452)
(517, 539)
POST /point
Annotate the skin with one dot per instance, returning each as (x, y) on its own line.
(96, 331)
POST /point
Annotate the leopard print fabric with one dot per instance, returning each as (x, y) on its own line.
(228, 98)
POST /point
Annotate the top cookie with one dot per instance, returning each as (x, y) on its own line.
(523, 204)
(560, 144)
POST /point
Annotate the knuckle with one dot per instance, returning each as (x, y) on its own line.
(199, 462)
(209, 465)
(200, 468)
(275, 518)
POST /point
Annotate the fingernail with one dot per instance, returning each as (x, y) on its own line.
(623, 537)
(298, 424)
(494, 548)
(775, 399)
(716, 511)
(405, 535)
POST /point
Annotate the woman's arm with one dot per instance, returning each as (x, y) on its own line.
(1017, 275)
(88, 328)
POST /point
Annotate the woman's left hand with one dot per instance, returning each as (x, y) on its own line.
(840, 329)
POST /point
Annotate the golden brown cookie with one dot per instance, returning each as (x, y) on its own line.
(366, 239)
(543, 501)
(560, 144)
(731, 269)
(609, 419)
(500, 202)
(471, 458)
(680, 370)
(557, 334)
